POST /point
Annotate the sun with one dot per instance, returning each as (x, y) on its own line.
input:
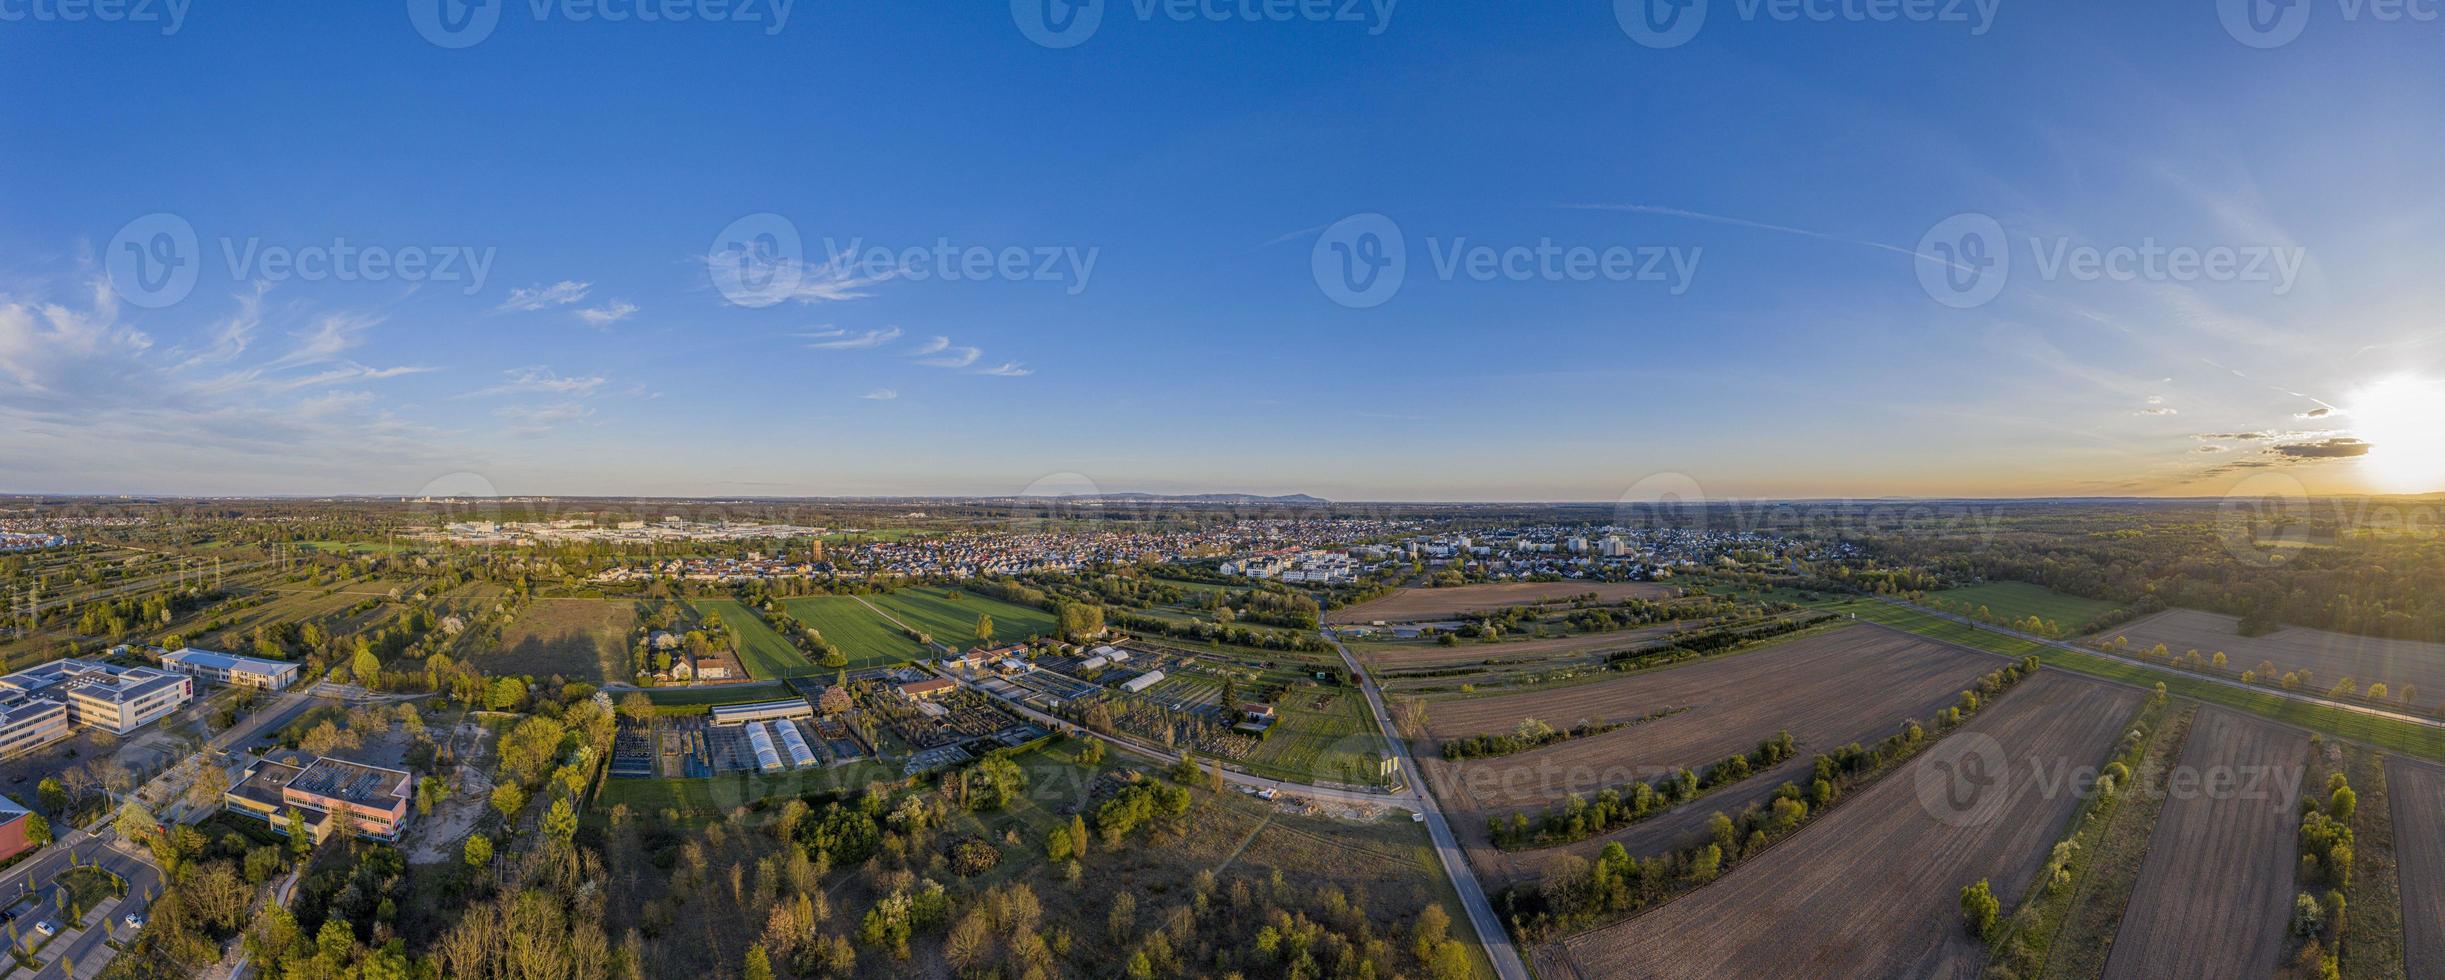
(2403, 421)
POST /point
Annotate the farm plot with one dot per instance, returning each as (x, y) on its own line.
(953, 621)
(1858, 684)
(865, 638)
(2217, 886)
(1323, 734)
(763, 652)
(2418, 794)
(581, 639)
(2016, 601)
(1426, 654)
(1872, 888)
(2329, 657)
(1414, 605)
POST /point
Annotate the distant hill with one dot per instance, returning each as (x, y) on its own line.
(1290, 499)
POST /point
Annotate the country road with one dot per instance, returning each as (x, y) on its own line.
(1490, 933)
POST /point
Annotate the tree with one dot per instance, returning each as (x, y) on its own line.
(301, 840)
(37, 830)
(1429, 931)
(2342, 804)
(508, 799)
(560, 822)
(365, 667)
(135, 823)
(637, 707)
(209, 785)
(1092, 753)
(53, 795)
(1979, 909)
(759, 964)
(478, 851)
(984, 628)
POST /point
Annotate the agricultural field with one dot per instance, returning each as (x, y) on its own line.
(932, 611)
(1872, 888)
(2014, 601)
(2330, 657)
(2217, 888)
(866, 638)
(1336, 742)
(763, 652)
(2417, 792)
(1399, 655)
(579, 639)
(1423, 604)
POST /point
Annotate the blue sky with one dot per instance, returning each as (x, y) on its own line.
(1795, 170)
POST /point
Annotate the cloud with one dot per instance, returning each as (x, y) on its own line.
(534, 298)
(933, 346)
(535, 420)
(2211, 448)
(843, 340)
(2242, 436)
(2315, 413)
(541, 380)
(2159, 410)
(880, 395)
(956, 357)
(607, 314)
(836, 279)
(1008, 369)
(2337, 448)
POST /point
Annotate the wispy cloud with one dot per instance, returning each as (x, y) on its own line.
(881, 395)
(607, 314)
(955, 357)
(1008, 369)
(931, 346)
(535, 420)
(541, 380)
(844, 340)
(836, 279)
(540, 297)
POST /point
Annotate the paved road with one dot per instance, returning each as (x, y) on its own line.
(2230, 682)
(84, 949)
(1490, 932)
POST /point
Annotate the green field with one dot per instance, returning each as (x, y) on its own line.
(2405, 737)
(763, 652)
(1338, 743)
(932, 612)
(718, 794)
(2013, 601)
(866, 638)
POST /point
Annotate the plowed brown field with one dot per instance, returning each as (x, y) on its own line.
(1414, 605)
(1872, 889)
(2217, 886)
(2418, 795)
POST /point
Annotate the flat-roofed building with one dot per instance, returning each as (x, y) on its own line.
(27, 724)
(13, 839)
(368, 801)
(930, 687)
(739, 714)
(231, 669)
(98, 695)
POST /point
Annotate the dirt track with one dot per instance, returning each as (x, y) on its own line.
(2418, 796)
(2217, 886)
(2330, 657)
(1872, 889)
(1415, 605)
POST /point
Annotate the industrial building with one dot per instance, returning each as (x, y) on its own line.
(38, 705)
(333, 794)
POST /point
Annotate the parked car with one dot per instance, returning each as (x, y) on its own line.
(47, 927)
(132, 920)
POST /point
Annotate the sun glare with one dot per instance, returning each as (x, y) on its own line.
(2403, 420)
